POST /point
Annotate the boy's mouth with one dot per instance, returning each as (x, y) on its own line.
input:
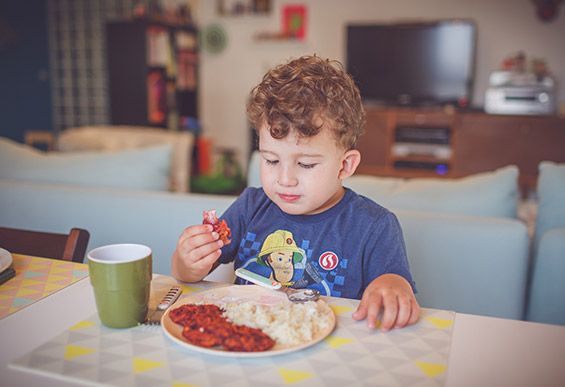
(289, 198)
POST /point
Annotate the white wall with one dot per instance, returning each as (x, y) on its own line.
(504, 27)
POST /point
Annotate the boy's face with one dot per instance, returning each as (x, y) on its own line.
(303, 176)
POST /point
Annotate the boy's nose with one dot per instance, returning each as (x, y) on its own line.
(287, 178)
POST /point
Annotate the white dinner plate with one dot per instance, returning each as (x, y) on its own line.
(5, 259)
(240, 293)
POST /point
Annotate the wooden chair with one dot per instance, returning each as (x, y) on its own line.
(67, 247)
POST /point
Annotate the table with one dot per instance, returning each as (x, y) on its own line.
(484, 352)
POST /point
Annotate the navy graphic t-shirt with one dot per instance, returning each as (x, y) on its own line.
(338, 252)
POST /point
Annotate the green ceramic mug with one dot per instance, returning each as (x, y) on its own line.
(121, 278)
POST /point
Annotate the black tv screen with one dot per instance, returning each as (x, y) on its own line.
(413, 64)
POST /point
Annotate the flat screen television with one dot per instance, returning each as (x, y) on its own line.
(427, 63)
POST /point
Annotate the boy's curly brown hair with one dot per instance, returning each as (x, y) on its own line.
(305, 95)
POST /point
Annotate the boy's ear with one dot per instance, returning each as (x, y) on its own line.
(350, 162)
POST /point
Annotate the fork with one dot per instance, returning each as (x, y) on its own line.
(294, 295)
(154, 318)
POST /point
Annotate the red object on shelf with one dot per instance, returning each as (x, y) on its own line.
(156, 97)
(204, 155)
(294, 21)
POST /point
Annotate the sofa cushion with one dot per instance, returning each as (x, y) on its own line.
(121, 137)
(487, 194)
(551, 194)
(547, 289)
(144, 168)
(469, 264)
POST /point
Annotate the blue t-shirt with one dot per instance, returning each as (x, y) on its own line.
(338, 252)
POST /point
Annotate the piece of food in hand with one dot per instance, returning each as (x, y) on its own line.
(220, 226)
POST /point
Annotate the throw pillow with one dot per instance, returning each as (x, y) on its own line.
(142, 168)
(551, 194)
(484, 194)
(121, 137)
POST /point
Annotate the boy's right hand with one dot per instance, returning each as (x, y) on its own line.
(198, 249)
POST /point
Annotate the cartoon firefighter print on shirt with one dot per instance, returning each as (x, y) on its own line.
(280, 257)
(280, 253)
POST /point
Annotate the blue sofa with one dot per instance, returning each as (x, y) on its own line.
(467, 263)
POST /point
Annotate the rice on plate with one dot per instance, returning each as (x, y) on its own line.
(287, 323)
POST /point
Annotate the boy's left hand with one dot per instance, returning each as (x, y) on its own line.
(394, 295)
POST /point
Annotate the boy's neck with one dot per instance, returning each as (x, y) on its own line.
(331, 202)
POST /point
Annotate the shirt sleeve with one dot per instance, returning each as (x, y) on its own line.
(386, 251)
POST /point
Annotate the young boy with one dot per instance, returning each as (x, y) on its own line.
(303, 227)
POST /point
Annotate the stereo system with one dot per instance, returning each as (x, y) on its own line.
(431, 143)
(422, 134)
(422, 141)
(520, 93)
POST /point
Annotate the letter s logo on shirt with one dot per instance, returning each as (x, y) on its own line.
(328, 260)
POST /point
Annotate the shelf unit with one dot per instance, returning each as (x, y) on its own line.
(153, 73)
(476, 142)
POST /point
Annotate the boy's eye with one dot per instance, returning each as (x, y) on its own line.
(307, 166)
(271, 162)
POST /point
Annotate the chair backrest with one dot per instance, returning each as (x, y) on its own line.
(68, 247)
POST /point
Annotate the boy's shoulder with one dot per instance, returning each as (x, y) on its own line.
(366, 207)
(366, 214)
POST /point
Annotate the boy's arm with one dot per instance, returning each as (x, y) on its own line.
(385, 252)
(389, 285)
(199, 251)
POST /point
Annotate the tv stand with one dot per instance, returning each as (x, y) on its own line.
(445, 142)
